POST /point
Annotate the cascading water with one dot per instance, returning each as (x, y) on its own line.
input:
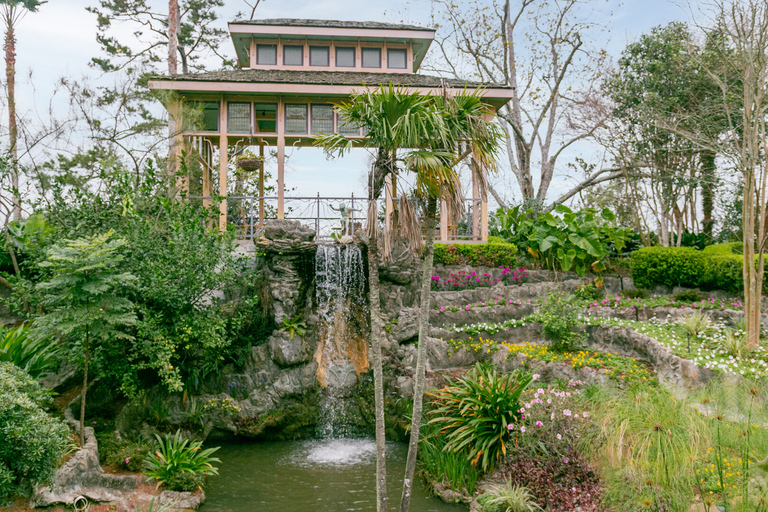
(342, 353)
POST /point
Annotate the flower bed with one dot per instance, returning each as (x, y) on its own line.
(619, 368)
(470, 280)
(622, 303)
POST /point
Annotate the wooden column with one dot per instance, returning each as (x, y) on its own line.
(390, 193)
(483, 211)
(176, 145)
(443, 221)
(281, 159)
(476, 231)
(223, 163)
(261, 185)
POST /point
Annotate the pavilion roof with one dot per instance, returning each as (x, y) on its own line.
(349, 78)
(291, 22)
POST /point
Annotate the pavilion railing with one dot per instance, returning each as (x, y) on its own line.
(248, 213)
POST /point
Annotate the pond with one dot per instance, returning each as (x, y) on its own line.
(318, 475)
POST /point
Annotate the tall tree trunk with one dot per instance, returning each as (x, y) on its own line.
(85, 388)
(707, 191)
(418, 388)
(9, 46)
(382, 503)
(174, 111)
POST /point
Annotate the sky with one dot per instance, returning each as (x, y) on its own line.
(60, 40)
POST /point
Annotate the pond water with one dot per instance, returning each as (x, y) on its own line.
(318, 475)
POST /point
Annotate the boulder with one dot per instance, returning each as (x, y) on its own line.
(289, 352)
(282, 229)
(181, 500)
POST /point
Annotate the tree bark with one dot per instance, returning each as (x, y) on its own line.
(174, 112)
(173, 39)
(9, 46)
(85, 389)
(707, 191)
(382, 503)
(418, 388)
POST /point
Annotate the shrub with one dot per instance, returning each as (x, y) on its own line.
(475, 411)
(446, 466)
(717, 267)
(636, 293)
(122, 454)
(508, 498)
(689, 296)
(733, 343)
(176, 456)
(559, 317)
(492, 254)
(588, 291)
(33, 442)
(38, 356)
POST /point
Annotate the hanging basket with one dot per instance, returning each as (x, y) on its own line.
(251, 164)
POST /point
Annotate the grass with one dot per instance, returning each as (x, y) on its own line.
(508, 498)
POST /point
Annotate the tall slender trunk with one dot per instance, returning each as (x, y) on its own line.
(85, 388)
(421, 359)
(174, 112)
(9, 46)
(382, 503)
(707, 191)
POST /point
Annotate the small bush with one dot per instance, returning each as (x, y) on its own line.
(508, 498)
(123, 454)
(636, 293)
(717, 267)
(475, 411)
(175, 456)
(559, 317)
(733, 343)
(32, 442)
(589, 291)
(38, 356)
(696, 323)
(185, 481)
(689, 296)
(491, 254)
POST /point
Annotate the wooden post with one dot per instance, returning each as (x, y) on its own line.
(443, 221)
(280, 160)
(483, 212)
(175, 147)
(261, 185)
(390, 192)
(476, 231)
(223, 163)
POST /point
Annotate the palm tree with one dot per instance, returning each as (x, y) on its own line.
(466, 134)
(394, 121)
(11, 11)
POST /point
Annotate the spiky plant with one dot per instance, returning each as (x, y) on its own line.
(508, 498)
(696, 323)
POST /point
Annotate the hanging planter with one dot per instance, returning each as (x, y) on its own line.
(250, 164)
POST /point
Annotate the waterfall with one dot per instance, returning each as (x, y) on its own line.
(342, 351)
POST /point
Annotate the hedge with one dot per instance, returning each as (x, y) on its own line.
(717, 267)
(492, 254)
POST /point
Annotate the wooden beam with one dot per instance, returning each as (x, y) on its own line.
(223, 164)
(261, 185)
(281, 159)
(443, 221)
(390, 192)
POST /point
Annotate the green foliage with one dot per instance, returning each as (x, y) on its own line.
(689, 296)
(445, 466)
(492, 254)
(294, 326)
(33, 442)
(508, 498)
(474, 413)
(179, 462)
(636, 293)
(563, 239)
(589, 291)
(38, 356)
(733, 343)
(696, 323)
(183, 333)
(559, 317)
(717, 267)
(122, 454)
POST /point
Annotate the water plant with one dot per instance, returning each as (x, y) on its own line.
(508, 498)
(180, 464)
(445, 466)
(475, 411)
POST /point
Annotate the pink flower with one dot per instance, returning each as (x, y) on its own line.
(565, 460)
(559, 436)
(535, 376)
(539, 424)
(522, 429)
(567, 412)
(510, 427)
(127, 460)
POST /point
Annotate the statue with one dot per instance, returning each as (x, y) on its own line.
(345, 214)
